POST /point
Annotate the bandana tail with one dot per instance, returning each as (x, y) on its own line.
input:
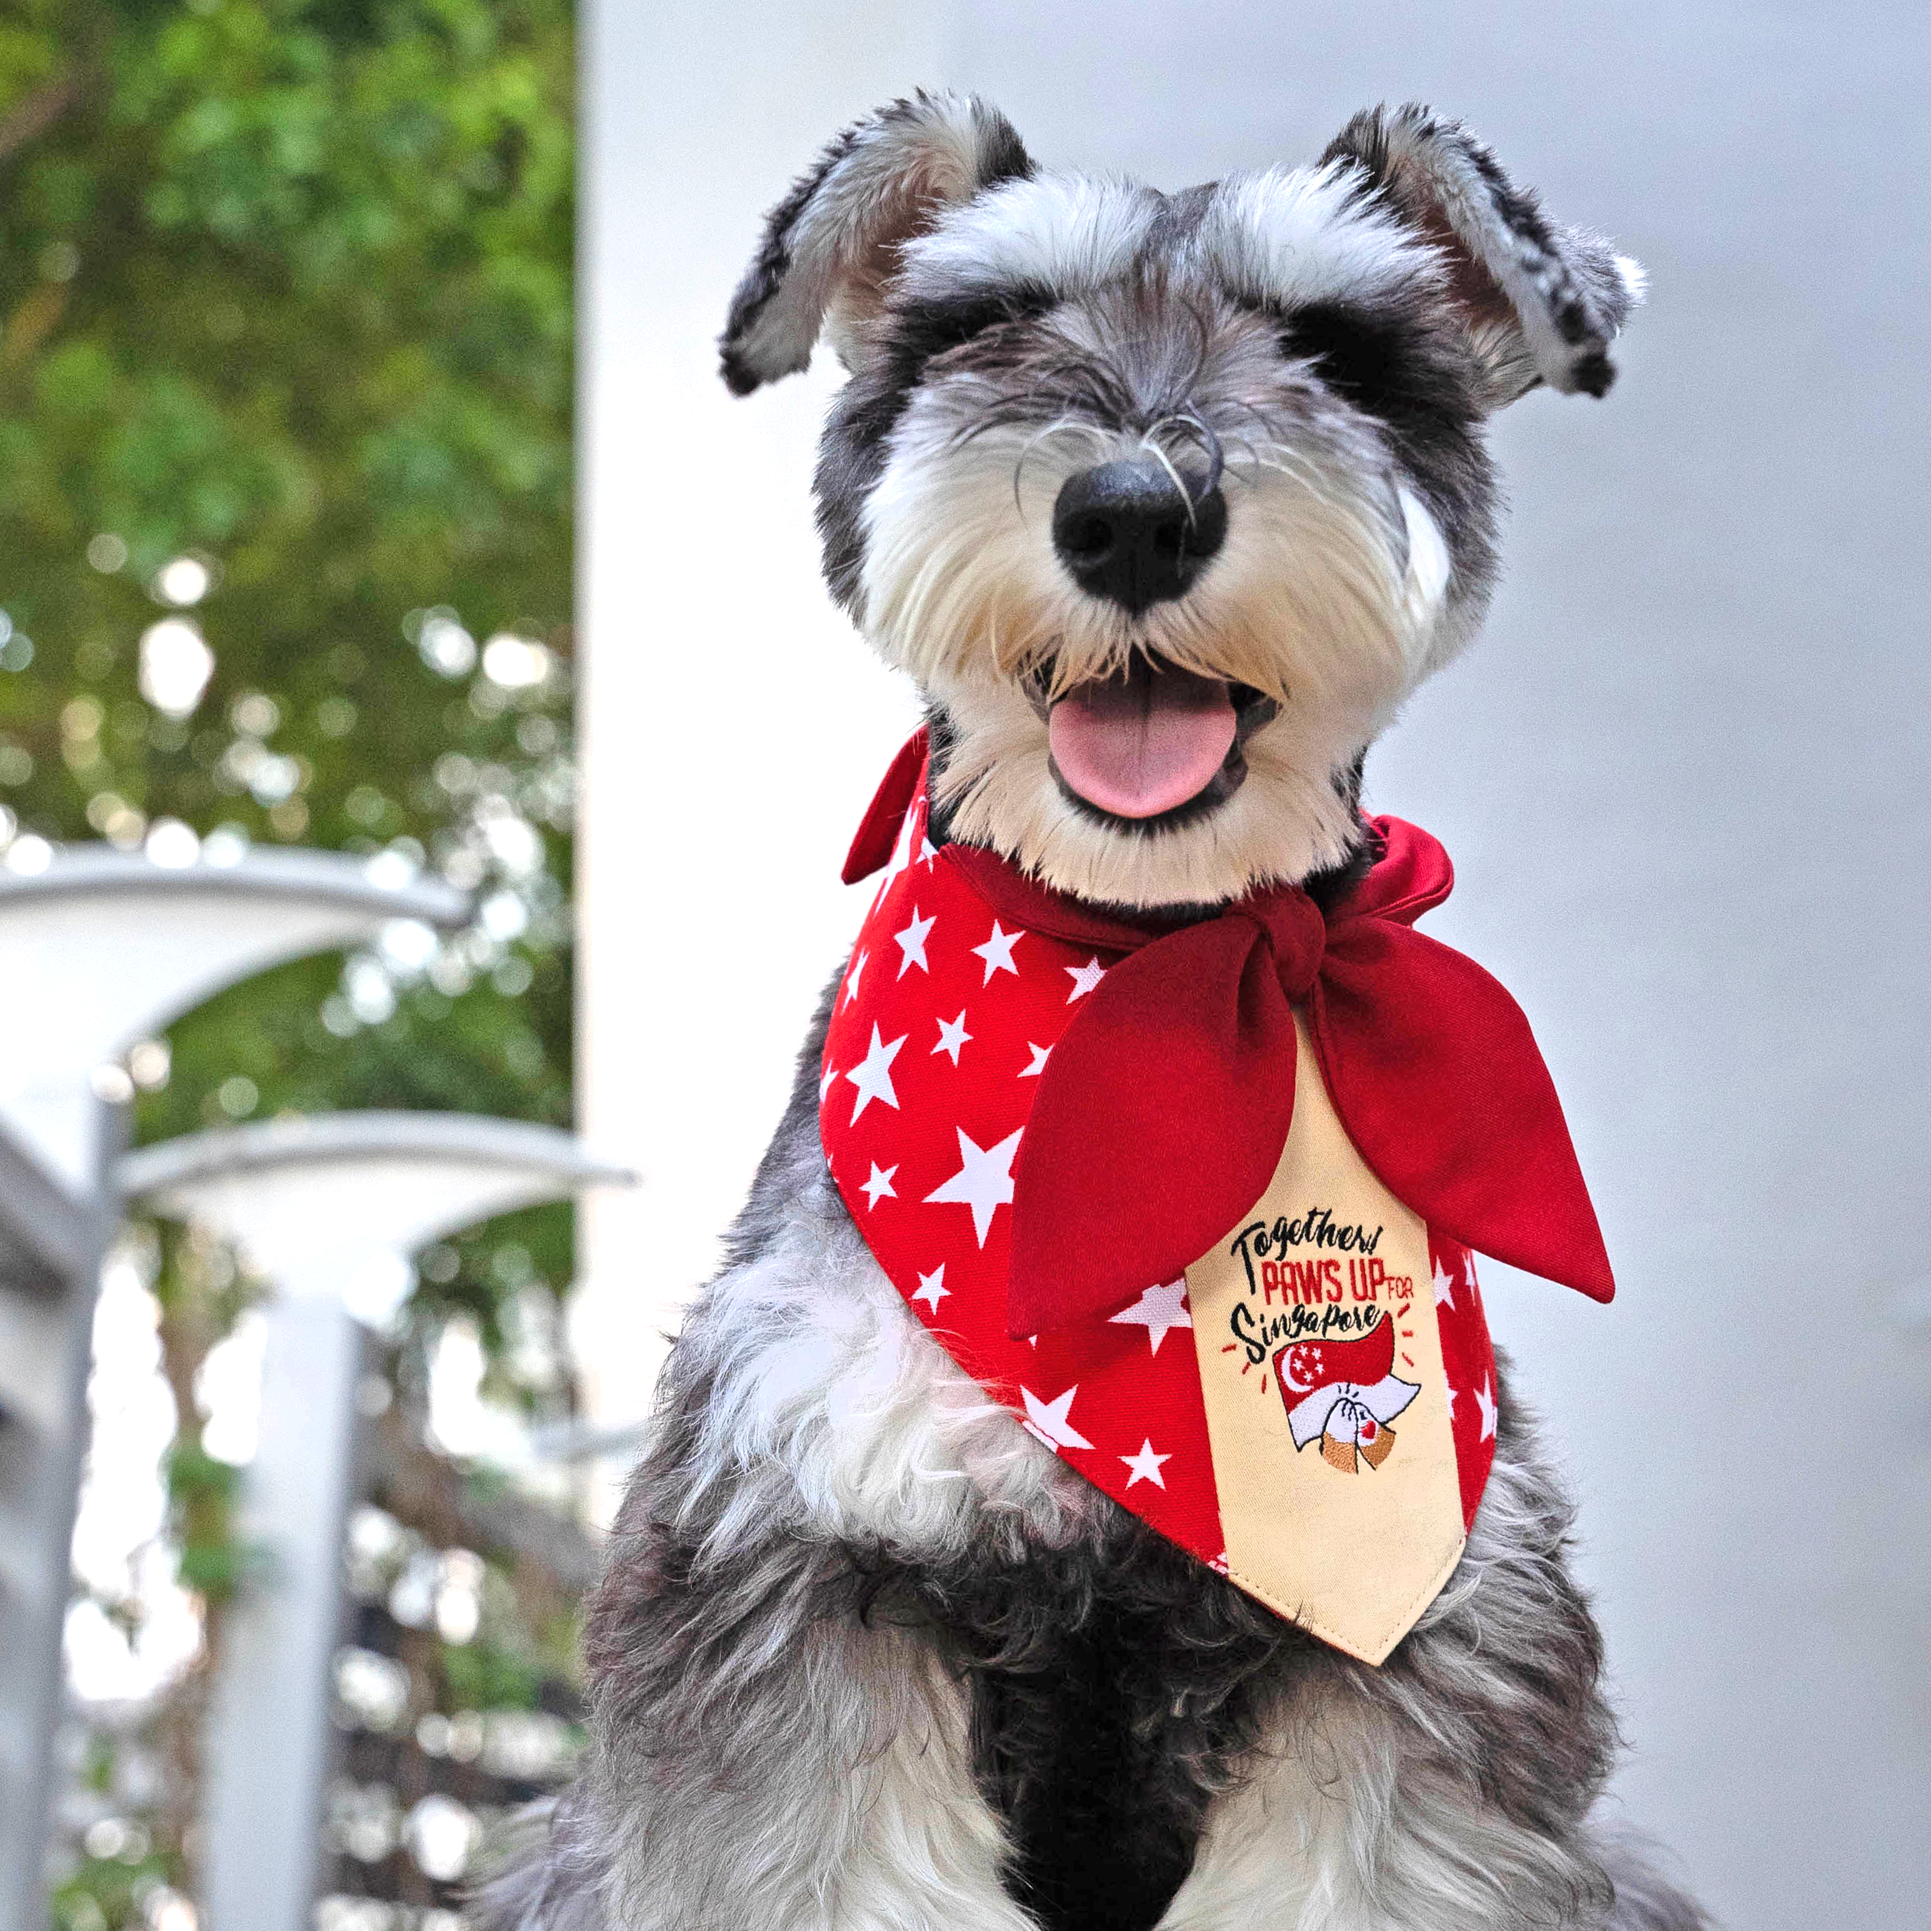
(878, 831)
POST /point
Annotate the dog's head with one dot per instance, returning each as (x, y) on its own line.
(1165, 501)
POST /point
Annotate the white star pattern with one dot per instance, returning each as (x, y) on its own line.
(879, 1186)
(1451, 1404)
(1444, 1287)
(1146, 1466)
(1084, 978)
(826, 1082)
(1040, 1055)
(1048, 1420)
(873, 1075)
(927, 850)
(983, 1182)
(997, 953)
(952, 1035)
(932, 1288)
(1485, 1401)
(1157, 1310)
(853, 976)
(911, 943)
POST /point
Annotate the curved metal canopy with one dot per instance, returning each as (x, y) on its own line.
(327, 1203)
(103, 947)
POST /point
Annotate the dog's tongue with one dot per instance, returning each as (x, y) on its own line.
(1140, 745)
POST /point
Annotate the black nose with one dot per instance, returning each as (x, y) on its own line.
(1129, 532)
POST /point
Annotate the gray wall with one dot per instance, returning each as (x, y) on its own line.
(1687, 782)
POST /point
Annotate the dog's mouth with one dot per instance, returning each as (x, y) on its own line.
(1154, 744)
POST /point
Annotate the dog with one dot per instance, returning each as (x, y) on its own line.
(868, 1655)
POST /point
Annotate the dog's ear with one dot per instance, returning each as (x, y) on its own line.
(831, 246)
(1543, 303)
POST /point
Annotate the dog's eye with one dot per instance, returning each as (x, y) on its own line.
(1360, 356)
(928, 328)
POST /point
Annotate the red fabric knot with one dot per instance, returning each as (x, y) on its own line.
(1161, 1114)
(1295, 933)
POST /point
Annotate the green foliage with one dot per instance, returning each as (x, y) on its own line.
(290, 282)
(285, 302)
(201, 1501)
(120, 1872)
(484, 1675)
(105, 1891)
(285, 287)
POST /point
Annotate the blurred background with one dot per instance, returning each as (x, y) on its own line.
(295, 296)
(286, 352)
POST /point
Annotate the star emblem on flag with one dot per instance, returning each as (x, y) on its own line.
(1146, 1465)
(911, 943)
(853, 977)
(1084, 978)
(952, 1035)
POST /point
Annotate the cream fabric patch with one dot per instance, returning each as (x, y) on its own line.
(1326, 1397)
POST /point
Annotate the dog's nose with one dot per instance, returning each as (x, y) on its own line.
(1129, 532)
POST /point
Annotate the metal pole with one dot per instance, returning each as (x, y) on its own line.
(98, 949)
(270, 1740)
(312, 1202)
(51, 1246)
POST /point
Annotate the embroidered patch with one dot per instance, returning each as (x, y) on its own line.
(1315, 1331)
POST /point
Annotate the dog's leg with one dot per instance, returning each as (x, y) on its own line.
(775, 1762)
(1344, 1830)
(779, 1744)
(779, 1750)
(1453, 1787)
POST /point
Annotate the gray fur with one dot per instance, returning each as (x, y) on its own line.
(867, 1656)
(1646, 1898)
(834, 236)
(1548, 300)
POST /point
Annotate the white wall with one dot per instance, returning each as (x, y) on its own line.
(732, 729)
(1686, 778)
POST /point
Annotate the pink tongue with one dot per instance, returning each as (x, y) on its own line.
(1139, 746)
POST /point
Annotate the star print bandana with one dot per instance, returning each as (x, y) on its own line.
(1197, 1202)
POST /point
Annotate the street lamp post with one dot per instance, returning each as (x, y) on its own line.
(98, 950)
(329, 1209)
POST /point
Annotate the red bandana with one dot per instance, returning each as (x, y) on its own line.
(1125, 1095)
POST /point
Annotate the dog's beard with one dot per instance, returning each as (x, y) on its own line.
(1324, 599)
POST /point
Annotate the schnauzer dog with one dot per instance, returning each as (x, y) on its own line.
(868, 1655)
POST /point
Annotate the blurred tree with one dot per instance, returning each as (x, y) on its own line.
(285, 389)
(285, 555)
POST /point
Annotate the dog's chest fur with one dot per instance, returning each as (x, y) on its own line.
(1114, 1686)
(1115, 1689)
